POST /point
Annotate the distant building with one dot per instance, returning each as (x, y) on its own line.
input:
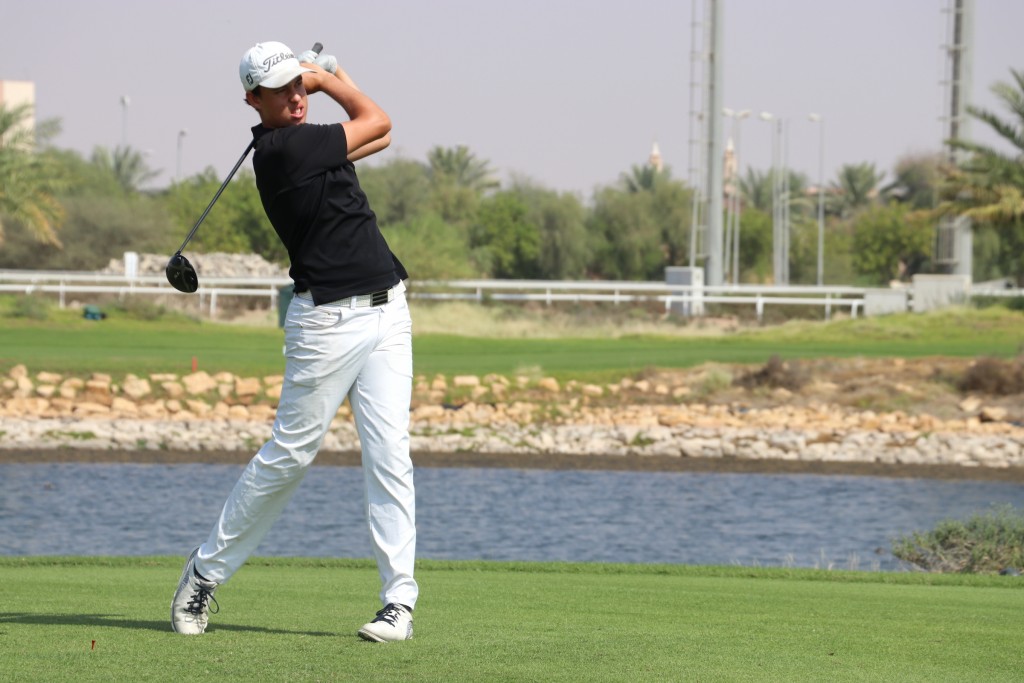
(16, 93)
(655, 160)
(730, 171)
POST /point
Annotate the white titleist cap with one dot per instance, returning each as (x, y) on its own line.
(270, 64)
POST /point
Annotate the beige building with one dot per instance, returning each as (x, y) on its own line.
(16, 93)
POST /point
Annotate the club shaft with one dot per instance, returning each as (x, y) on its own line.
(217, 196)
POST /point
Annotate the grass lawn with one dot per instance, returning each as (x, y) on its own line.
(67, 343)
(290, 619)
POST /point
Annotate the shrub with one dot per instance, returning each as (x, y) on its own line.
(993, 376)
(775, 374)
(30, 307)
(986, 543)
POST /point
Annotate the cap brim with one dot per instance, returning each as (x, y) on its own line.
(285, 75)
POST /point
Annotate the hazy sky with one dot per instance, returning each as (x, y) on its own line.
(570, 93)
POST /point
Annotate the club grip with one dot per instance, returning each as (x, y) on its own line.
(317, 47)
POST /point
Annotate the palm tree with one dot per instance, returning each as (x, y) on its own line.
(459, 166)
(29, 179)
(989, 186)
(126, 165)
(915, 181)
(643, 178)
(855, 188)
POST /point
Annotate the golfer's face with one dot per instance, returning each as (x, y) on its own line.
(284, 106)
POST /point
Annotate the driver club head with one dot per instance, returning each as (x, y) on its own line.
(182, 275)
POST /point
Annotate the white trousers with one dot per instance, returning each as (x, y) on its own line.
(333, 351)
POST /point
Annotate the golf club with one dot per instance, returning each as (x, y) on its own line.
(179, 271)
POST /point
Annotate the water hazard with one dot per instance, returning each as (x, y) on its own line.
(498, 514)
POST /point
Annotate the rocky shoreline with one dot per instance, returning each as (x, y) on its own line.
(521, 419)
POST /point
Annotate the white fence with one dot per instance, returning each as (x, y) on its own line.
(672, 297)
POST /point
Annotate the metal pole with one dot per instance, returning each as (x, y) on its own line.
(784, 209)
(125, 101)
(181, 139)
(739, 201)
(713, 263)
(821, 196)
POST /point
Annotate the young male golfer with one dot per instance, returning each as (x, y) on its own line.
(347, 333)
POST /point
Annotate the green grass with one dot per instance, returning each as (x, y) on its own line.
(67, 343)
(294, 619)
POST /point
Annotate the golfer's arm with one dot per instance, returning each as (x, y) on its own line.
(368, 129)
(369, 148)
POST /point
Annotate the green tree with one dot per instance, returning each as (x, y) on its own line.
(636, 231)
(890, 242)
(126, 165)
(504, 240)
(756, 189)
(755, 245)
(855, 188)
(398, 190)
(916, 181)
(458, 182)
(559, 219)
(431, 248)
(988, 186)
(237, 222)
(643, 178)
(30, 178)
(460, 166)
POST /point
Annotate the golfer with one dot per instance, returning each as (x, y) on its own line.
(347, 333)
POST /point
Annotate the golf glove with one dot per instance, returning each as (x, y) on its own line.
(328, 63)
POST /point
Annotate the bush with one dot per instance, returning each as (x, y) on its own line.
(30, 307)
(988, 543)
(993, 376)
(776, 374)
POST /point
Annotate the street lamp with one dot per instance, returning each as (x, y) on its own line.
(820, 120)
(735, 199)
(125, 101)
(181, 140)
(779, 252)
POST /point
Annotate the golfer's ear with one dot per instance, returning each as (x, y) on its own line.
(251, 98)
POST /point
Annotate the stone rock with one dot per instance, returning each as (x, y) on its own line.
(249, 386)
(992, 414)
(48, 378)
(135, 387)
(173, 389)
(18, 371)
(592, 390)
(198, 383)
(548, 384)
(970, 404)
(466, 381)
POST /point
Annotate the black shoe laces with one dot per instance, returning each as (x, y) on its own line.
(390, 614)
(200, 602)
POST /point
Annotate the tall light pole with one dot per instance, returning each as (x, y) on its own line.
(735, 199)
(125, 101)
(820, 120)
(181, 141)
(778, 241)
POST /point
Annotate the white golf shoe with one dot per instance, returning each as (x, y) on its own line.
(392, 623)
(191, 604)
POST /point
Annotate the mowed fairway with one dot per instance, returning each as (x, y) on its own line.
(291, 619)
(69, 344)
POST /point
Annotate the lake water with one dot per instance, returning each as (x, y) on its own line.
(845, 522)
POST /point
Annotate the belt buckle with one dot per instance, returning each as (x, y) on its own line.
(379, 298)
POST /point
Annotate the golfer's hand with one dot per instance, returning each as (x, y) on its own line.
(313, 81)
(328, 63)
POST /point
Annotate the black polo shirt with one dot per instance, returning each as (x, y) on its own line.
(312, 197)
